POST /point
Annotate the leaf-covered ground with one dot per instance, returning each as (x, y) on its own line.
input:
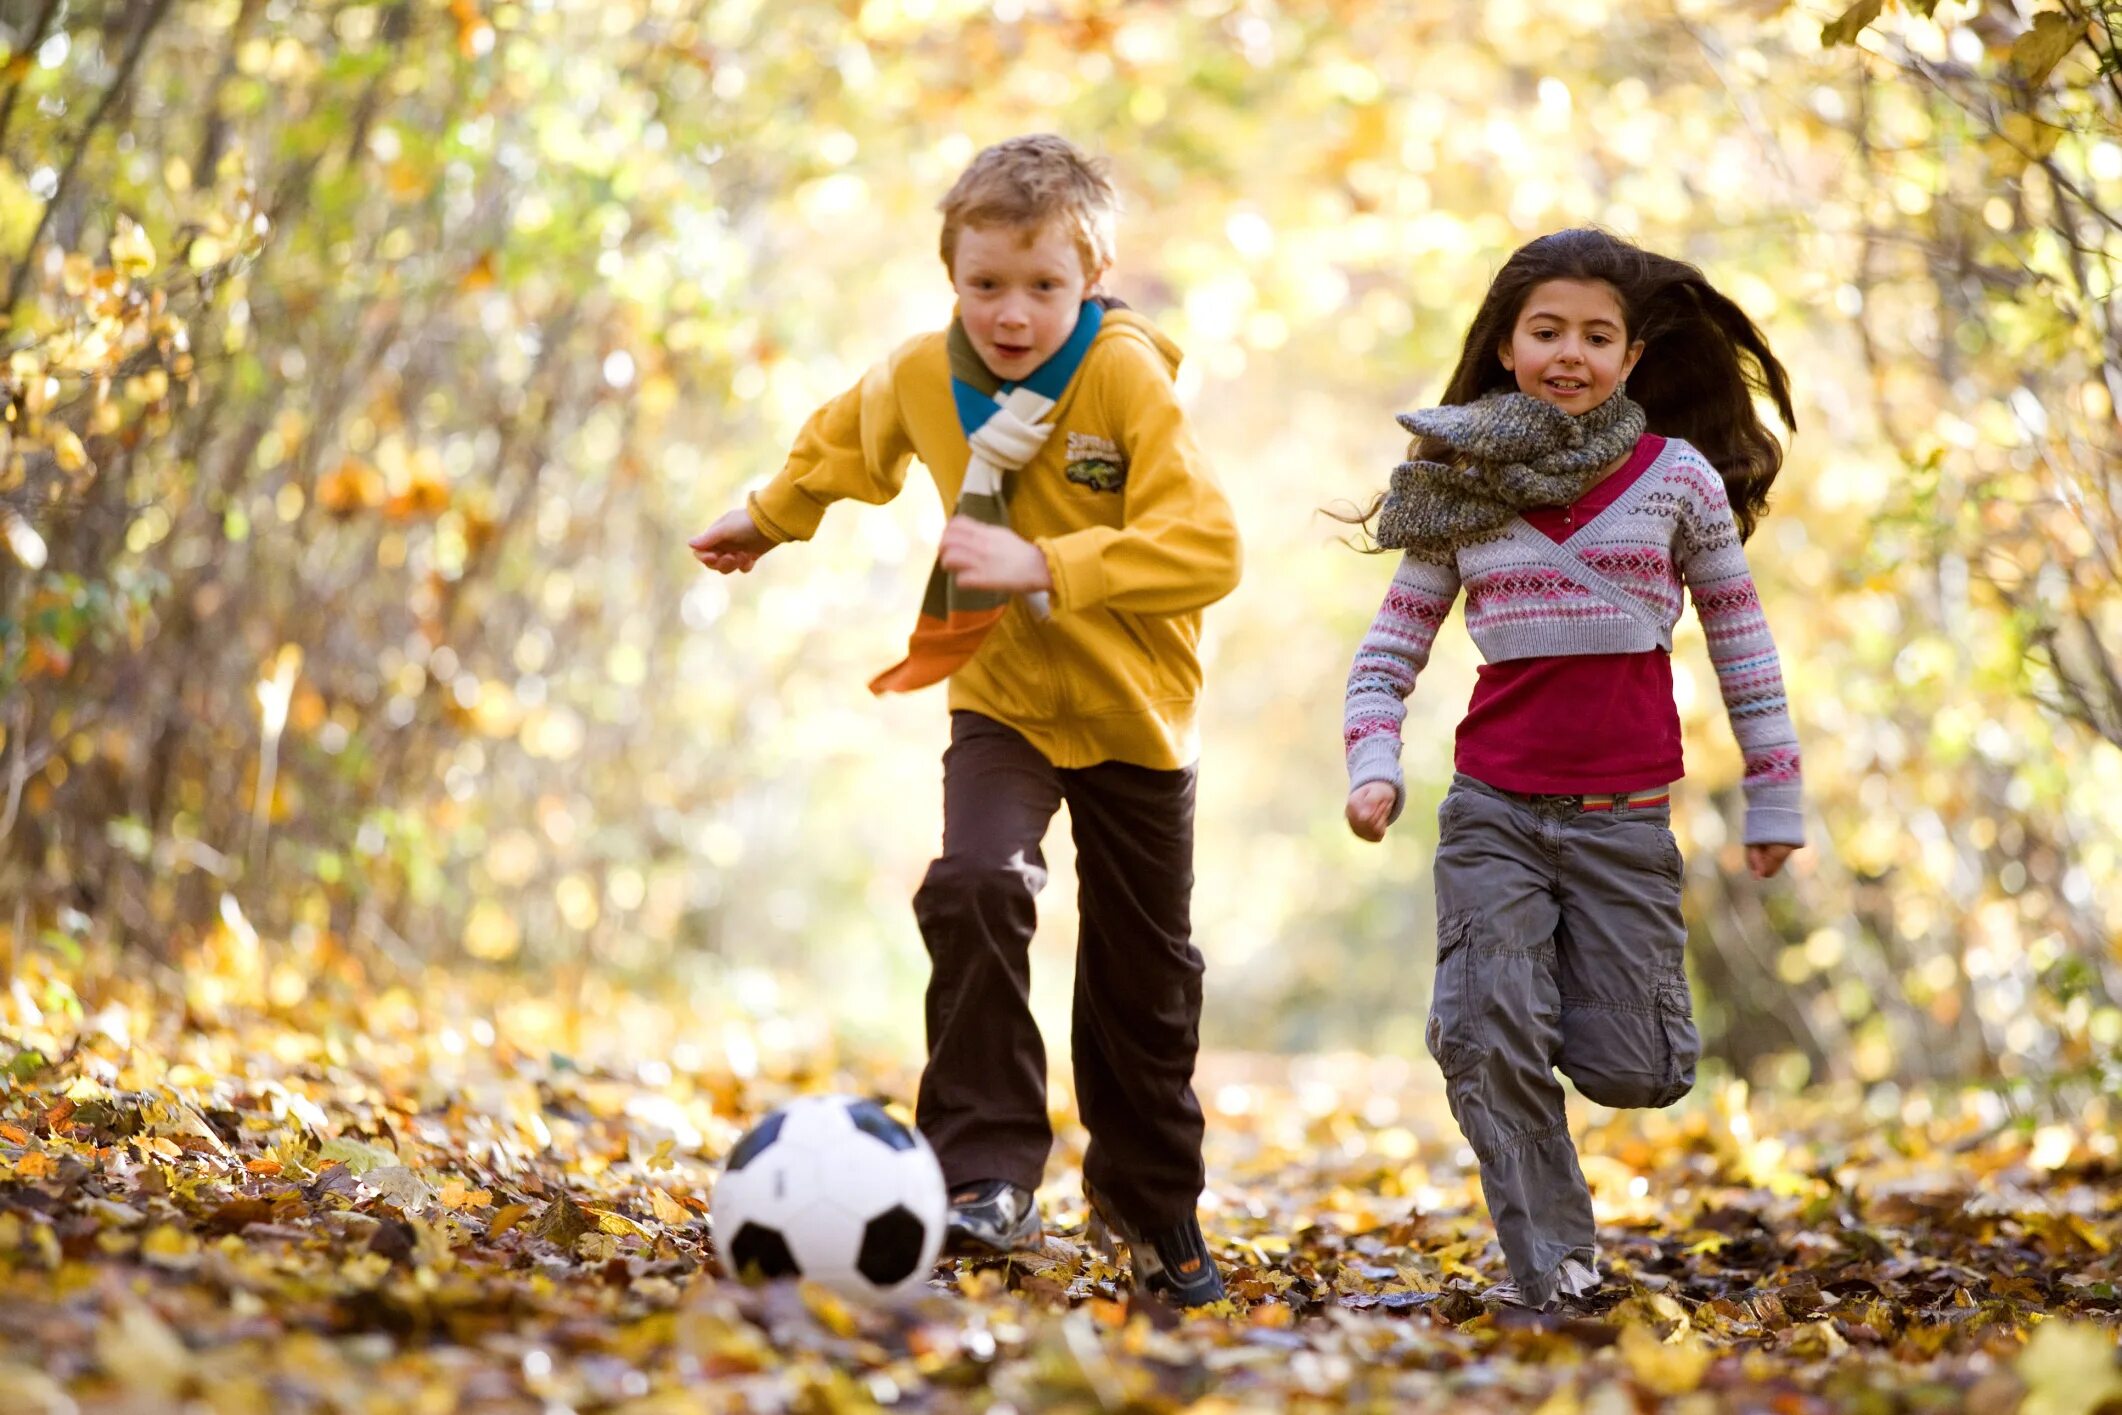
(273, 1186)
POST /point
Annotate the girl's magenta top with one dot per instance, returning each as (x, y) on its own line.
(1576, 723)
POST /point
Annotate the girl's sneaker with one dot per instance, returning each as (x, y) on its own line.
(1574, 1281)
(1172, 1262)
(991, 1217)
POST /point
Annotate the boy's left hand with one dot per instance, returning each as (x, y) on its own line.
(986, 557)
(1766, 860)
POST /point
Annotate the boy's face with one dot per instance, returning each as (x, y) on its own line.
(1019, 292)
(1570, 347)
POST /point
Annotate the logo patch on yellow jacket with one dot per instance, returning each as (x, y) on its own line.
(1095, 462)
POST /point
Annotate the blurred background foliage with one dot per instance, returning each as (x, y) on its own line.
(367, 365)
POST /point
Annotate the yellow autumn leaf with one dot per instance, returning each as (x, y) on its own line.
(1563, 1401)
(2030, 135)
(1817, 1341)
(364, 1270)
(1674, 1367)
(829, 1310)
(1851, 23)
(1655, 1310)
(2035, 54)
(505, 1218)
(666, 1209)
(170, 1247)
(67, 450)
(132, 253)
(2069, 1369)
(619, 1225)
(137, 1349)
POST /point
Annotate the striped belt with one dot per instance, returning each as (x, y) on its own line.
(1563, 803)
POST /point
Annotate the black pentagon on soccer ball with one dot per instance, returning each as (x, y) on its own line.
(872, 1119)
(755, 1141)
(891, 1246)
(761, 1252)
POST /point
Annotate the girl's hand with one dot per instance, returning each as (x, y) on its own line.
(986, 557)
(1766, 860)
(1370, 809)
(732, 543)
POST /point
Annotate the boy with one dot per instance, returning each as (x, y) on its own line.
(1065, 606)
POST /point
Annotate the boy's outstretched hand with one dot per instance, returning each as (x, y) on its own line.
(733, 543)
(1766, 860)
(1370, 809)
(987, 557)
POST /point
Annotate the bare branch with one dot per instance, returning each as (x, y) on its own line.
(45, 14)
(157, 10)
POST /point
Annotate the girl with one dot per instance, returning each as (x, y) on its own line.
(1597, 451)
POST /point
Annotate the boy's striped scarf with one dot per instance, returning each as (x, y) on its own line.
(1001, 422)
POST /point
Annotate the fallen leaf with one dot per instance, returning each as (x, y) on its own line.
(505, 1218)
(1674, 1367)
(139, 1351)
(2069, 1369)
(666, 1209)
(562, 1222)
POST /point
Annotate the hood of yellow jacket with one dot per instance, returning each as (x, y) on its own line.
(1126, 324)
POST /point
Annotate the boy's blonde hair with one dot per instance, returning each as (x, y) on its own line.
(1028, 182)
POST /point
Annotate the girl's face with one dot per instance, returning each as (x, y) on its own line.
(1570, 346)
(1019, 292)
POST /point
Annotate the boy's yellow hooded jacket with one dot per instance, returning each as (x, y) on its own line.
(1137, 536)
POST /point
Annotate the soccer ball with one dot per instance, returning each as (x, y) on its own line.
(832, 1189)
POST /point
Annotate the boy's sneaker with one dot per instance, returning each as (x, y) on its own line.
(1172, 1262)
(1575, 1280)
(992, 1217)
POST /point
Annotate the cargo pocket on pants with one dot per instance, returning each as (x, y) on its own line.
(1683, 1044)
(1459, 999)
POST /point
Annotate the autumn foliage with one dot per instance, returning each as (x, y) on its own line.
(413, 872)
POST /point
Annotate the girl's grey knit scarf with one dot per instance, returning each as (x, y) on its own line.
(1510, 451)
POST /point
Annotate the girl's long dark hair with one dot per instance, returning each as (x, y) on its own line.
(1703, 359)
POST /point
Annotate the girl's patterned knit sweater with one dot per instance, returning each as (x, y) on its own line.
(1615, 586)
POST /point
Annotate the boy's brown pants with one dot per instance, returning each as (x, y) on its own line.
(1137, 1006)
